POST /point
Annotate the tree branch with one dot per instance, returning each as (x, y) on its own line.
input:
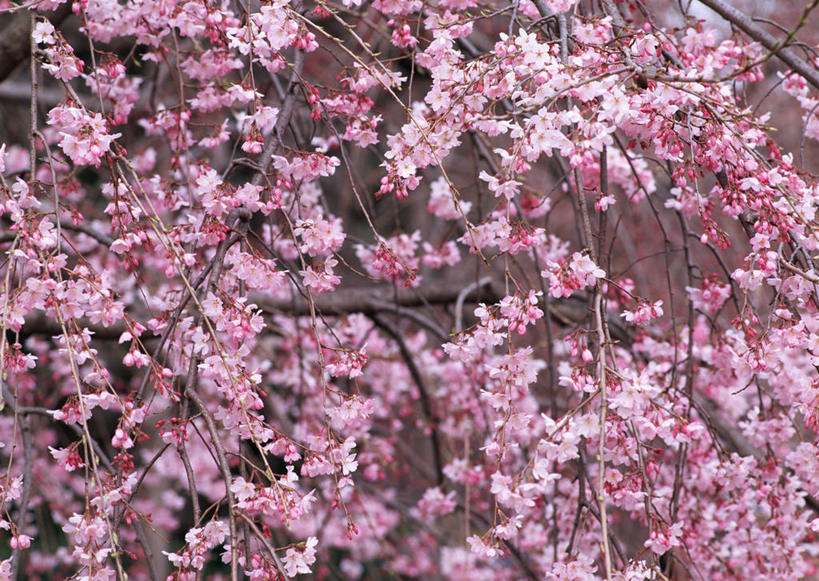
(777, 48)
(423, 391)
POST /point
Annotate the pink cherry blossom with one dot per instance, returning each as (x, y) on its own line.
(430, 290)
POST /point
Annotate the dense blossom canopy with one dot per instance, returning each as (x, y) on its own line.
(456, 289)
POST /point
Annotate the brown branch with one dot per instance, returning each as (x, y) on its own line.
(373, 299)
(423, 391)
(367, 300)
(260, 535)
(709, 412)
(210, 424)
(777, 47)
(22, 518)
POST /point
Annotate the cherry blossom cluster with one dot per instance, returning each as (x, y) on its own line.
(438, 290)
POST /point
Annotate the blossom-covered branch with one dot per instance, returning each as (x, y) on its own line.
(434, 290)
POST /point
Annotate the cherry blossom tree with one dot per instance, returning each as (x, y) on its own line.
(454, 289)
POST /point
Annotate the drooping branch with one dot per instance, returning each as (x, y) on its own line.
(423, 391)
